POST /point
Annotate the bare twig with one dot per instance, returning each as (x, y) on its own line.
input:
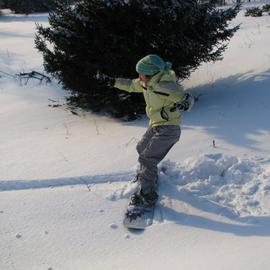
(98, 133)
(75, 113)
(53, 100)
(63, 157)
(33, 75)
(87, 185)
(55, 105)
(67, 130)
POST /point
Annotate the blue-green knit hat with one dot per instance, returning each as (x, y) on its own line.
(152, 64)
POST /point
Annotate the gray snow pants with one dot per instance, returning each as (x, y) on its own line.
(152, 148)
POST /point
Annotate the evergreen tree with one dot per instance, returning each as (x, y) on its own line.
(254, 12)
(31, 6)
(109, 36)
(3, 4)
(27, 6)
(266, 8)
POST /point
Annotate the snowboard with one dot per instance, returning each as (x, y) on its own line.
(141, 219)
(138, 218)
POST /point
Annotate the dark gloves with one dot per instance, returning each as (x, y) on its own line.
(105, 80)
(184, 105)
(109, 81)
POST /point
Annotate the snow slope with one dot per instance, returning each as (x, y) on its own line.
(64, 177)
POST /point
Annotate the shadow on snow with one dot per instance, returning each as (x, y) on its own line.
(233, 109)
(241, 226)
(39, 17)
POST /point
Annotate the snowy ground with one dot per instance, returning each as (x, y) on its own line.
(64, 177)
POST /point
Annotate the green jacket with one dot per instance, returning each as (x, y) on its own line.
(160, 94)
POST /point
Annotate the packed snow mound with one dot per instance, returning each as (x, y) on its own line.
(241, 185)
(236, 187)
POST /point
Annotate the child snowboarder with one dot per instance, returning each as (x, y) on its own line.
(164, 99)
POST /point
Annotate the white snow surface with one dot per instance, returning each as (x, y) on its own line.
(65, 177)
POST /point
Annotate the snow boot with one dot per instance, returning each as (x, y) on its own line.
(144, 200)
(141, 202)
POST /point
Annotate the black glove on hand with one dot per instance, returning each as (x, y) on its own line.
(109, 81)
(105, 80)
(184, 105)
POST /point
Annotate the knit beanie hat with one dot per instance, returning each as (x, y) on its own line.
(152, 64)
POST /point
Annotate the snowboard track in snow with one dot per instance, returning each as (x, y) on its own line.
(12, 185)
